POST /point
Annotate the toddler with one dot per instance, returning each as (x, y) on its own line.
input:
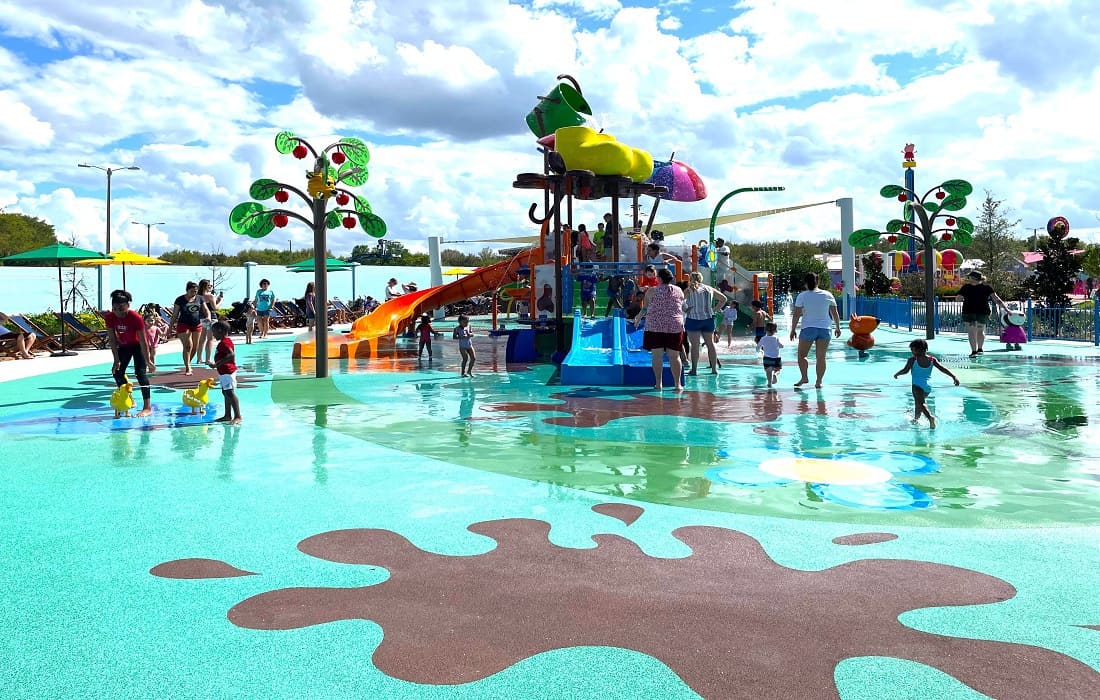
(424, 330)
(770, 344)
(464, 335)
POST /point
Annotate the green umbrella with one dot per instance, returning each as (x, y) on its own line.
(331, 265)
(59, 254)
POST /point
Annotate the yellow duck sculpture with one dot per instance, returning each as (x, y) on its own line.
(319, 185)
(196, 398)
(122, 400)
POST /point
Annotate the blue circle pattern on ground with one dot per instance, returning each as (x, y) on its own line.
(100, 419)
(743, 470)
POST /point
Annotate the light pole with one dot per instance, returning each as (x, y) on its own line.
(353, 266)
(290, 249)
(109, 171)
(1035, 236)
(148, 247)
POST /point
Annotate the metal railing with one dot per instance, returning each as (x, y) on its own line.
(1074, 323)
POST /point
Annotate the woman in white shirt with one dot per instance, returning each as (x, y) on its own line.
(816, 308)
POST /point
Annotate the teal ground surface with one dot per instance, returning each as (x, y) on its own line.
(90, 506)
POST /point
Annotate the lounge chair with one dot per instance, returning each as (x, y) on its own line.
(43, 339)
(343, 313)
(80, 333)
(287, 313)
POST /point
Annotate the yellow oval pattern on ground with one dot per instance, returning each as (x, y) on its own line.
(839, 472)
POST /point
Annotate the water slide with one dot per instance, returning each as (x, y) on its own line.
(392, 316)
(608, 352)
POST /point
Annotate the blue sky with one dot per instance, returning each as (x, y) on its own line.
(818, 97)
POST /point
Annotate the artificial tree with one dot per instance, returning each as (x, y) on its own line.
(337, 166)
(924, 215)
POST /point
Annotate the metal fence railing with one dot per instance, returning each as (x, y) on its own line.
(1074, 323)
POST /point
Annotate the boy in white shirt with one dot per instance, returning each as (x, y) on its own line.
(770, 344)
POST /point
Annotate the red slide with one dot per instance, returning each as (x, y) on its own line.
(391, 316)
(385, 321)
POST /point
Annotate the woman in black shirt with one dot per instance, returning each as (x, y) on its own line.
(975, 295)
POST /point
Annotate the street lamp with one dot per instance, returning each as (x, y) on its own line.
(109, 171)
(353, 266)
(147, 227)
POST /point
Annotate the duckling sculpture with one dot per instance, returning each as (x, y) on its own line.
(122, 400)
(862, 327)
(196, 398)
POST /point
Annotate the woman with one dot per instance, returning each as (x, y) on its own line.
(23, 341)
(265, 299)
(816, 308)
(699, 310)
(127, 338)
(188, 311)
(206, 338)
(309, 304)
(663, 309)
(975, 295)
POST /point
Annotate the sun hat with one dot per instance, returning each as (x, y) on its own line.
(975, 275)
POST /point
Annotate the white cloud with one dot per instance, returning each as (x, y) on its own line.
(440, 90)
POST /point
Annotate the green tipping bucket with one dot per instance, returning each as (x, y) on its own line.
(564, 106)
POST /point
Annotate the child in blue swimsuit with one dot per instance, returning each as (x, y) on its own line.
(921, 364)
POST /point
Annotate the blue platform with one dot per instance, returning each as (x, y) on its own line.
(608, 352)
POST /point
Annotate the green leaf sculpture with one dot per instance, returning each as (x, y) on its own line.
(353, 175)
(894, 225)
(264, 189)
(362, 206)
(863, 238)
(902, 243)
(954, 203)
(891, 191)
(356, 151)
(962, 238)
(964, 224)
(373, 225)
(958, 188)
(285, 141)
(332, 219)
(250, 219)
(931, 207)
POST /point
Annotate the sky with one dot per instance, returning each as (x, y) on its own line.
(816, 97)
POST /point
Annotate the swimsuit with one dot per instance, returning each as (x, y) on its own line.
(921, 375)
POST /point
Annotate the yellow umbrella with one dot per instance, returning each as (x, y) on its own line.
(124, 258)
(460, 271)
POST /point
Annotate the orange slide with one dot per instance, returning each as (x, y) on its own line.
(389, 318)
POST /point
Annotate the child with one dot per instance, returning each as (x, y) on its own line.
(921, 363)
(771, 345)
(759, 320)
(587, 280)
(729, 317)
(155, 331)
(425, 330)
(250, 317)
(649, 278)
(464, 335)
(225, 359)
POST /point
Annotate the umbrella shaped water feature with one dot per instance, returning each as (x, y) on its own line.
(681, 180)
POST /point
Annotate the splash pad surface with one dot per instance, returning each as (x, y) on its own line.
(347, 518)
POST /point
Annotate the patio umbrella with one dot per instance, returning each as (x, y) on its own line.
(124, 258)
(460, 271)
(59, 254)
(331, 265)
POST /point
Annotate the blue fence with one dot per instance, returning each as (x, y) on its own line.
(1076, 323)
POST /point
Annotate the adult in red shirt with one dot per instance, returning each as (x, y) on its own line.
(127, 338)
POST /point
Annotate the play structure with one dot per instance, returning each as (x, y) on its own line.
(541, 284)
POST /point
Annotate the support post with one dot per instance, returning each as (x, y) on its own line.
(847, 254)
(320, 282)
(436, 263)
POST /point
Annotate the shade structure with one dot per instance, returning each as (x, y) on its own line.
(124, 258)
(331, 265)
(57, 254)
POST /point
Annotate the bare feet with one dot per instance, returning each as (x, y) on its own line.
(223, 419)
(235, 421)
(188, 371)
(800, 382)
(147, 411)
(817, 386)
(679, 389)
(931, 421)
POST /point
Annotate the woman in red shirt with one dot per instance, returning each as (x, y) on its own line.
(127, 337)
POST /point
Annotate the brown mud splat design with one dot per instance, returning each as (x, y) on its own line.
(620, 511)
(728, 619)
(588, 411)
(197, 568)
(865, 538)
